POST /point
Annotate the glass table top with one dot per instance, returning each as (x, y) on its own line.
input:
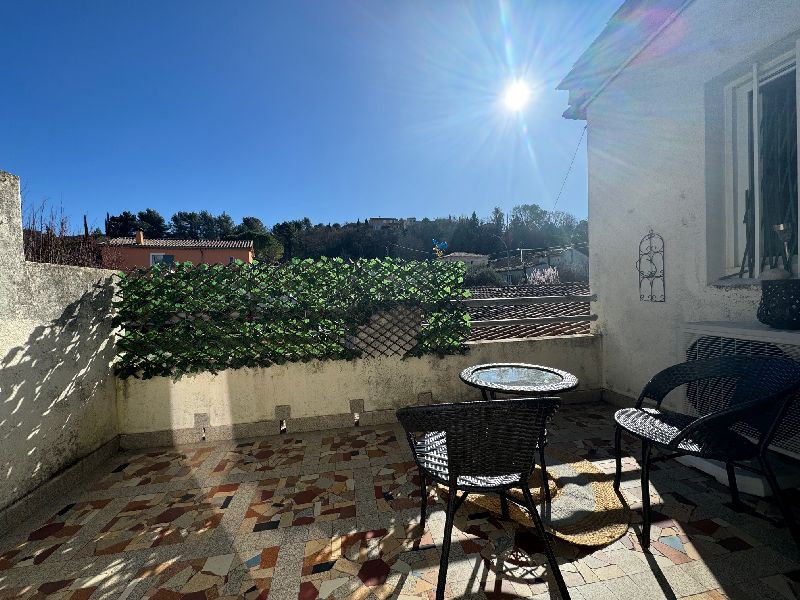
(517, 376)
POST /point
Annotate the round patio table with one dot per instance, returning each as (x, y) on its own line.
(525, 380)
(519, 379)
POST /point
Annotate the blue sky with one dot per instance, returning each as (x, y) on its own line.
(329, 110)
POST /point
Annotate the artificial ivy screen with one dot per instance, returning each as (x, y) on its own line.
(186, 318)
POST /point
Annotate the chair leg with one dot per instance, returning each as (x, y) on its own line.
(618, 455)
(424, 502)
(548, 549)
(448, 532)
(645, 495)
(543, 465)
(737, 503)
(504, 505)
(786, 511)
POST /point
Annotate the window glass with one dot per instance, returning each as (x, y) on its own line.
(162, 258)
(762, 179)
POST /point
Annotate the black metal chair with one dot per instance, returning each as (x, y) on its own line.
(479, 447)
(738, 403)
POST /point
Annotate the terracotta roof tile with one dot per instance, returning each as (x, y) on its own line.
(530, 311)
(173, 243)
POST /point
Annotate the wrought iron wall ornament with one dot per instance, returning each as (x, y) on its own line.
(651, 268)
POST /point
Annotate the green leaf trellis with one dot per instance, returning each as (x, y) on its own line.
(186, 318)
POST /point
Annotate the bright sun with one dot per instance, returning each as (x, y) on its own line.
(516, 95)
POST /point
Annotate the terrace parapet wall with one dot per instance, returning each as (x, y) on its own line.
(317, 395)
(56, 347)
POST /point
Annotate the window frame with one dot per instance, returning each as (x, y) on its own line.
(736, 177)
(161, 254)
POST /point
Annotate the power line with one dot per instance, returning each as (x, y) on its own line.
(428, 253)
(546, 248)
(569, 170)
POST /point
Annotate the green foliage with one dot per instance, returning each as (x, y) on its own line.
(288, 234)
(182, 318)
(581, 233)
(202, 225)
(267, 248)
(152, 223)
(122, 225)
(251, 226)
(497, 219)
(480, 275)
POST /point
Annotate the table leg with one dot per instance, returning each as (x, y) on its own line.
(504, 505)
(543, 466)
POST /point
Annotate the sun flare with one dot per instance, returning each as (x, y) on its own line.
(517, 95)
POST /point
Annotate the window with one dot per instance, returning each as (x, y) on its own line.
(761, 140)
(157, 258)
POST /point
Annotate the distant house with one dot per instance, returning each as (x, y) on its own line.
(466, 257)
(380, 223)
(513, 274)
(131, 252)
(569, 261)
(572, 265)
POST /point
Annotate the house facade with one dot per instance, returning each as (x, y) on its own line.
(134, 252)
(570, 263)
(381, 223)
(513, 275)
(667, 95)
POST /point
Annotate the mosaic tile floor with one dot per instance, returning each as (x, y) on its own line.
(335, 514)
(301, 500)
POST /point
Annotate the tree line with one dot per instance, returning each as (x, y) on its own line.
(196, 226)
(525, 226)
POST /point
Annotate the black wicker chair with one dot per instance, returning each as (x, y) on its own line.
(739, 402)
(485, 447)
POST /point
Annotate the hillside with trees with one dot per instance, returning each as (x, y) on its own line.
(526, 226)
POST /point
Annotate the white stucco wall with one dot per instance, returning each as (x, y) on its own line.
(655, 152)
(316, 390)
(57, 391)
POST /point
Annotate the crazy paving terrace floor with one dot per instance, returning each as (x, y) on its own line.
(335, 514)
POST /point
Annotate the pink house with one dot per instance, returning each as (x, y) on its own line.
(131, 252)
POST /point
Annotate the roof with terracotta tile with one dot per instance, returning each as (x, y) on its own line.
(530, 311)
(174, 243)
